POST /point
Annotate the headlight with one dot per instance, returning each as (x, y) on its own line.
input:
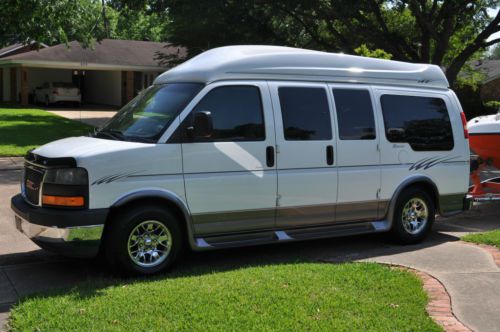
(65, 187)
(71, 176)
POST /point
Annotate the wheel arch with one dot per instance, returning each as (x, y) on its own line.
(162, 198)
(422, 181)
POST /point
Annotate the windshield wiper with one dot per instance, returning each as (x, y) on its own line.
(111, 133)
(142, 139)
(117, 134)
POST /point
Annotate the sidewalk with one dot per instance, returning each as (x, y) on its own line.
(468, 273)
(93, 117)
(11, 163)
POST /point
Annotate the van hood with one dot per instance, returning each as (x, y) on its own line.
(84, 147)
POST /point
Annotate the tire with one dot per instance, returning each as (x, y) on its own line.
(47, 102)
(409, 224)
(129, 227)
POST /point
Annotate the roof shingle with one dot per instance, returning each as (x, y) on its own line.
(107, 51)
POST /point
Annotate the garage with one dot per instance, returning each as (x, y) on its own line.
(109, 73)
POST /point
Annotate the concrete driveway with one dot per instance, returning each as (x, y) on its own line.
(468, 272)
(93, 116)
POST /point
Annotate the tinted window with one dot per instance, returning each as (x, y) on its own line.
(236, 114)
(355, 114)
(423, 122)
(305, 113)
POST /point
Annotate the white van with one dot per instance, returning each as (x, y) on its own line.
(247, 145)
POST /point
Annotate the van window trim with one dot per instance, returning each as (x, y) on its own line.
(306, 85)
(400, 91)
(187, 111)
(371, 95)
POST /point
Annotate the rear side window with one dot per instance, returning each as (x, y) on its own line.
(236, 114)
(423, 122)
(355, 114)
(305, 113)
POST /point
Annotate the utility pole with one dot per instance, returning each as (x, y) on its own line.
(105, 19)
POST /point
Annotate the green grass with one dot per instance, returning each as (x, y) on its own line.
(492, 238)
(23, 129)
(282, 297)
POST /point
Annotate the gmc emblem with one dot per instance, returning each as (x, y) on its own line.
(31, 185)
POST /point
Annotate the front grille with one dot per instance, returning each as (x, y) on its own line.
(33, 177)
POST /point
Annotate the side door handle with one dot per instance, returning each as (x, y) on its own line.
(329, 155)
(270, 156)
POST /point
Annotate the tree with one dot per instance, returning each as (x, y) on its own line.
(443, 32)
(136, 22)
(50, 21)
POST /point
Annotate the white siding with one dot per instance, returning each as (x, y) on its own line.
(103, 87)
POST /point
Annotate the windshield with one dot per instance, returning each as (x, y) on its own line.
(150, 113)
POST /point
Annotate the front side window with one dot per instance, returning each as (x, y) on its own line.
(423, 122)
(147, 116)
(355, 114)
(236, 113)
(305, 113)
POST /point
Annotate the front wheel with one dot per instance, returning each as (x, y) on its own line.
(413, 216)
(145, 240)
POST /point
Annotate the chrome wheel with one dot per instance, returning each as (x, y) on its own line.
(149, 243)
(415, 215)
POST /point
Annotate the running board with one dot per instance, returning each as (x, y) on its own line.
(298, 234)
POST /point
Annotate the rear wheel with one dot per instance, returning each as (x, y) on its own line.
(413, 216)
(144, 240)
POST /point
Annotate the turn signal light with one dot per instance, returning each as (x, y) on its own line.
(63, 200)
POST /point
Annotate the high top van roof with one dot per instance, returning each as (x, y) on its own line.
(286, 63)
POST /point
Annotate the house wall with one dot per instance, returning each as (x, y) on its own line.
(6, 84)
(490, 90)
(38, 76)
(18, 84)
(103, 87)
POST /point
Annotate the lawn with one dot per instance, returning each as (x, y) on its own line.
(23, 129)
(492, 238)
(283, 297)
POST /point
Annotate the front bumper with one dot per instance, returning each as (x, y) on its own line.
(56, 99)
(75, 233)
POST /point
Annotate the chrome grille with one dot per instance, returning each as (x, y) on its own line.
(32, 181)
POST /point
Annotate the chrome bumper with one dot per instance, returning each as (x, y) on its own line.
(79, 241)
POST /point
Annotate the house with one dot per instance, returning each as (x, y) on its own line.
(110, 72)
(20, 48)
(490, 87)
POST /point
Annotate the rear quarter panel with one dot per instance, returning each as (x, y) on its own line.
(448, 170)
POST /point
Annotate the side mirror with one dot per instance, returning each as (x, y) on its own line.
(396, 134)
(202, 125)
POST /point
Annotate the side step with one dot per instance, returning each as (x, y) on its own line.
(298, 234)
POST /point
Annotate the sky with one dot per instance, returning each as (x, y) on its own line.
(493, 13)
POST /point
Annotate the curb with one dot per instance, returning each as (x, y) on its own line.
(11, 163)
(439, 307)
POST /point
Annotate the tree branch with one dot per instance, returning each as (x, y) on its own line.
(479, 42)
(491, 42)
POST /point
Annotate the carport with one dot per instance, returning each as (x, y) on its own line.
(111, 72)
